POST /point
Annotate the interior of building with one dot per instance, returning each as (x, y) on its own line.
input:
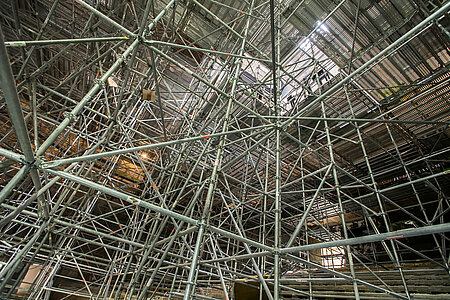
(224, 149)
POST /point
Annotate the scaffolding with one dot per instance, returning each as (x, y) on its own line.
(186, 148)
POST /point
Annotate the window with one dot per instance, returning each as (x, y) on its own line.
(333, 258)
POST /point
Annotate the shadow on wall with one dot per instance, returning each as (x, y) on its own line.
(248, 291)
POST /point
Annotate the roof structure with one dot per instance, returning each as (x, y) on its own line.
(222, 149)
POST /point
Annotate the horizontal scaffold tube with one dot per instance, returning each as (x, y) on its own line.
(145, 147)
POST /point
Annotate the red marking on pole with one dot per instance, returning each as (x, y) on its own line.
(112, 232)
(395, 237)
(241, 12)
(182, 164)
(173, 229)
(206, 136)
(155, 187)
(213, 49)
(228, 54)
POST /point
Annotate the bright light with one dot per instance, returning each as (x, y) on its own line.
(322, 26)
(305, 44)
(333, 258)
(144, 155)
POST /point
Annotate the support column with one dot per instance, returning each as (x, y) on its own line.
(275, 34)
(15, 111)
